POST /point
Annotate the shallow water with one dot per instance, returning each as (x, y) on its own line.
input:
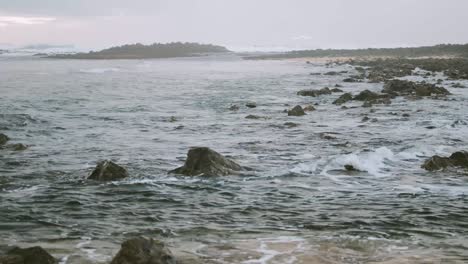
(298, 205)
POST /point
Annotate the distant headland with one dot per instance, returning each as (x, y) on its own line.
(153, 51)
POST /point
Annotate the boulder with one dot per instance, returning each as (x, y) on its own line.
(32, 255)
(314, 93)
(206, 162)
(336, 90)
(251, 104)
(351, 80)
(3, 139)
(343, 99)
(108, 171)
(296, 111)
(141, 250)
(367, 95)
(457, 159)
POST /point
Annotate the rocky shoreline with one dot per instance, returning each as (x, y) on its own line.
(206, 162)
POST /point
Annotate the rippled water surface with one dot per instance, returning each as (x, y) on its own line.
(298, 205)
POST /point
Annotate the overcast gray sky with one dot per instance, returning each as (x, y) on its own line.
(238, 24)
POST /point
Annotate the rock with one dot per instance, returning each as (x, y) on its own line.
(350, 168)
(458, 85)
(290, 124)
(338, 86)
(16, 147)
(173, 119)
(367, 104)
(296, 111)
(351, 80)
(405, 115)
(314, 93)
(309, 108)
(142, 250)
(402, 88)
(234, 107)
(32, 255)
(457, 159)
(207, 162)
(251, 104)
(343, 99)
(365, 119)
(108, 171)
(336, 90)
(331, 73)
(3, 139)
(256, 117)
(367, 95)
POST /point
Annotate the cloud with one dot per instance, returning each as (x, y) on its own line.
(19, 20)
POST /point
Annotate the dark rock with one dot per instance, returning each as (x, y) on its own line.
(367, 104)
(336, 90)
(207, 162)
(459, 123)
(365, 119)
(296, 111)
(108, 171)
(16, 147)
(290, 124)
(367, 95)
(234, 107)
(142, 250)
(3, 139)
(351, 80)
(251, 104)
(343, 99)
(314, 93)
(309, 108)
(458, 85)
(331, 73)
(401, 88)
(405, 115)
(350, 167)
(457, 159)
(338, 86)
(256, 117)
(32, 255)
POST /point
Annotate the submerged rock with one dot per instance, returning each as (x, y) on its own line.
(32, 255)
(207, 162)
(336, 90)
(457, 159)
(234, 107)
(256, 117)
(343, 99)
(16, 147)
(315, 93)
(142, 250)
(108, 171)
(367, 95)
(3, 139)
(296, 111)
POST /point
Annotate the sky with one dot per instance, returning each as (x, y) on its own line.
(237, 24)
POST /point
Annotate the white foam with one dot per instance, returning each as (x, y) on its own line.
(371, 162)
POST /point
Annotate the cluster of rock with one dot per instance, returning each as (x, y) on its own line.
(15, 146)
(404, 88)
(458, 159)
(316, 93)
(138, 250)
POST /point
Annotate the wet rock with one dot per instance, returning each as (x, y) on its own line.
(290, 124)
(367, 95)
(296, 111)
(251, 104)
(256, 117)
(367, 104)
(458, 85)
(338, 86)
(326, 136)
(142, 250)
(108, 171)
(172, 119)
(32, 255)
(3, 139)
(207, 162)
(331, 73)
(365, 119)
(350, 168)
(351, 80)
(309, 108)
(234, 108)
(402, 88)
(457, 159)
(336, 90)
(457, 123)
(343, 99)
(16, 147)
(315, 93)
(405, 115)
